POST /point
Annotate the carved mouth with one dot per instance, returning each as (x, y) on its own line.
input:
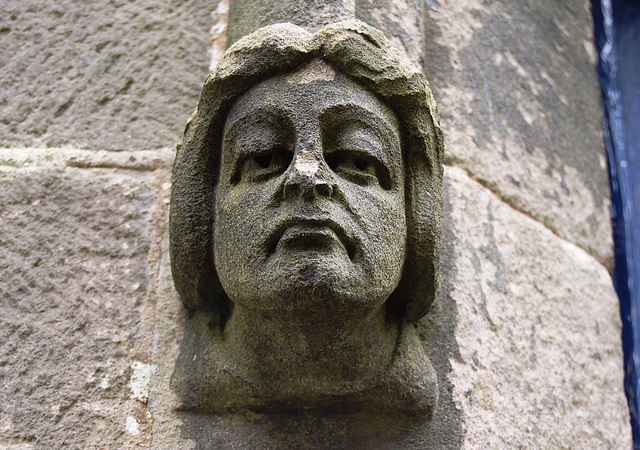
(306, 234)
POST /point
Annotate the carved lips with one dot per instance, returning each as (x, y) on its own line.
(310, 234)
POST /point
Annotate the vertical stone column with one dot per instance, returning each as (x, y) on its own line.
(402, 20)
(246, 16)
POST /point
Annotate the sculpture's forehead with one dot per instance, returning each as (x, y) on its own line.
(315, 70)
(308, 92)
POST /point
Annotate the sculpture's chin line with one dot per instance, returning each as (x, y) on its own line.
(314, 282)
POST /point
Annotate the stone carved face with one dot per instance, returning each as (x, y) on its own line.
(309, 205)
(305, 226)
(378, 75)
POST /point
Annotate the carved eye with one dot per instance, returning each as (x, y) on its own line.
(265, 165)
(359, 168)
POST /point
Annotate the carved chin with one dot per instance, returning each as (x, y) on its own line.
(310, 280)
(316, 276)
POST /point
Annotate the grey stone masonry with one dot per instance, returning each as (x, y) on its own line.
(93, 100)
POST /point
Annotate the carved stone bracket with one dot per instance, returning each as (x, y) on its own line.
(305, 227)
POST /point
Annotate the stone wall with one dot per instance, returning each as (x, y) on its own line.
(93, 101)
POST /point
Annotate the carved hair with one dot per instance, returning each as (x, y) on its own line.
(359, 52)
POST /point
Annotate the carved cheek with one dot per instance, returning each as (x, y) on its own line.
(390, 231)
(236, 239)
(237, 208)
(381, 217)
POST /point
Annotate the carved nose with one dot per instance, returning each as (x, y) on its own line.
(307, 181)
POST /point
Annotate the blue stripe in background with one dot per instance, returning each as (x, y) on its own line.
(617, 36)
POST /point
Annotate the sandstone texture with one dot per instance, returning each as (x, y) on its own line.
(403, 22)
(539, 362)
(106, 74)
(74, 249)
(249, 15)
(524, 334)
(518, 93)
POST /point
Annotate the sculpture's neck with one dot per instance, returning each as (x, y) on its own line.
(310, 349)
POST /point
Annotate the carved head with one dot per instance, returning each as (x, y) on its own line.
(313, 162)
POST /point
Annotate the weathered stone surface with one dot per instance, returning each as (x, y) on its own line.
(403, 22)
(173, 428)
(539, 362)
(168, 333)
(74, 337)
(325, 236)
(148, 160)
(249, 15)
(519, 99)
(220, 19)
(107, 74)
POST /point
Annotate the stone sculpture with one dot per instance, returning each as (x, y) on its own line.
(305, 227)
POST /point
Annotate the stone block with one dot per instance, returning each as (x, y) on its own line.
(539, 363)
(519, 98)
(74, 249)
(117, 75)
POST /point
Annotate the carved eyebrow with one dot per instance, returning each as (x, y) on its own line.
(379, 125)
(352, 111)
(269, 118)
(270, 115)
